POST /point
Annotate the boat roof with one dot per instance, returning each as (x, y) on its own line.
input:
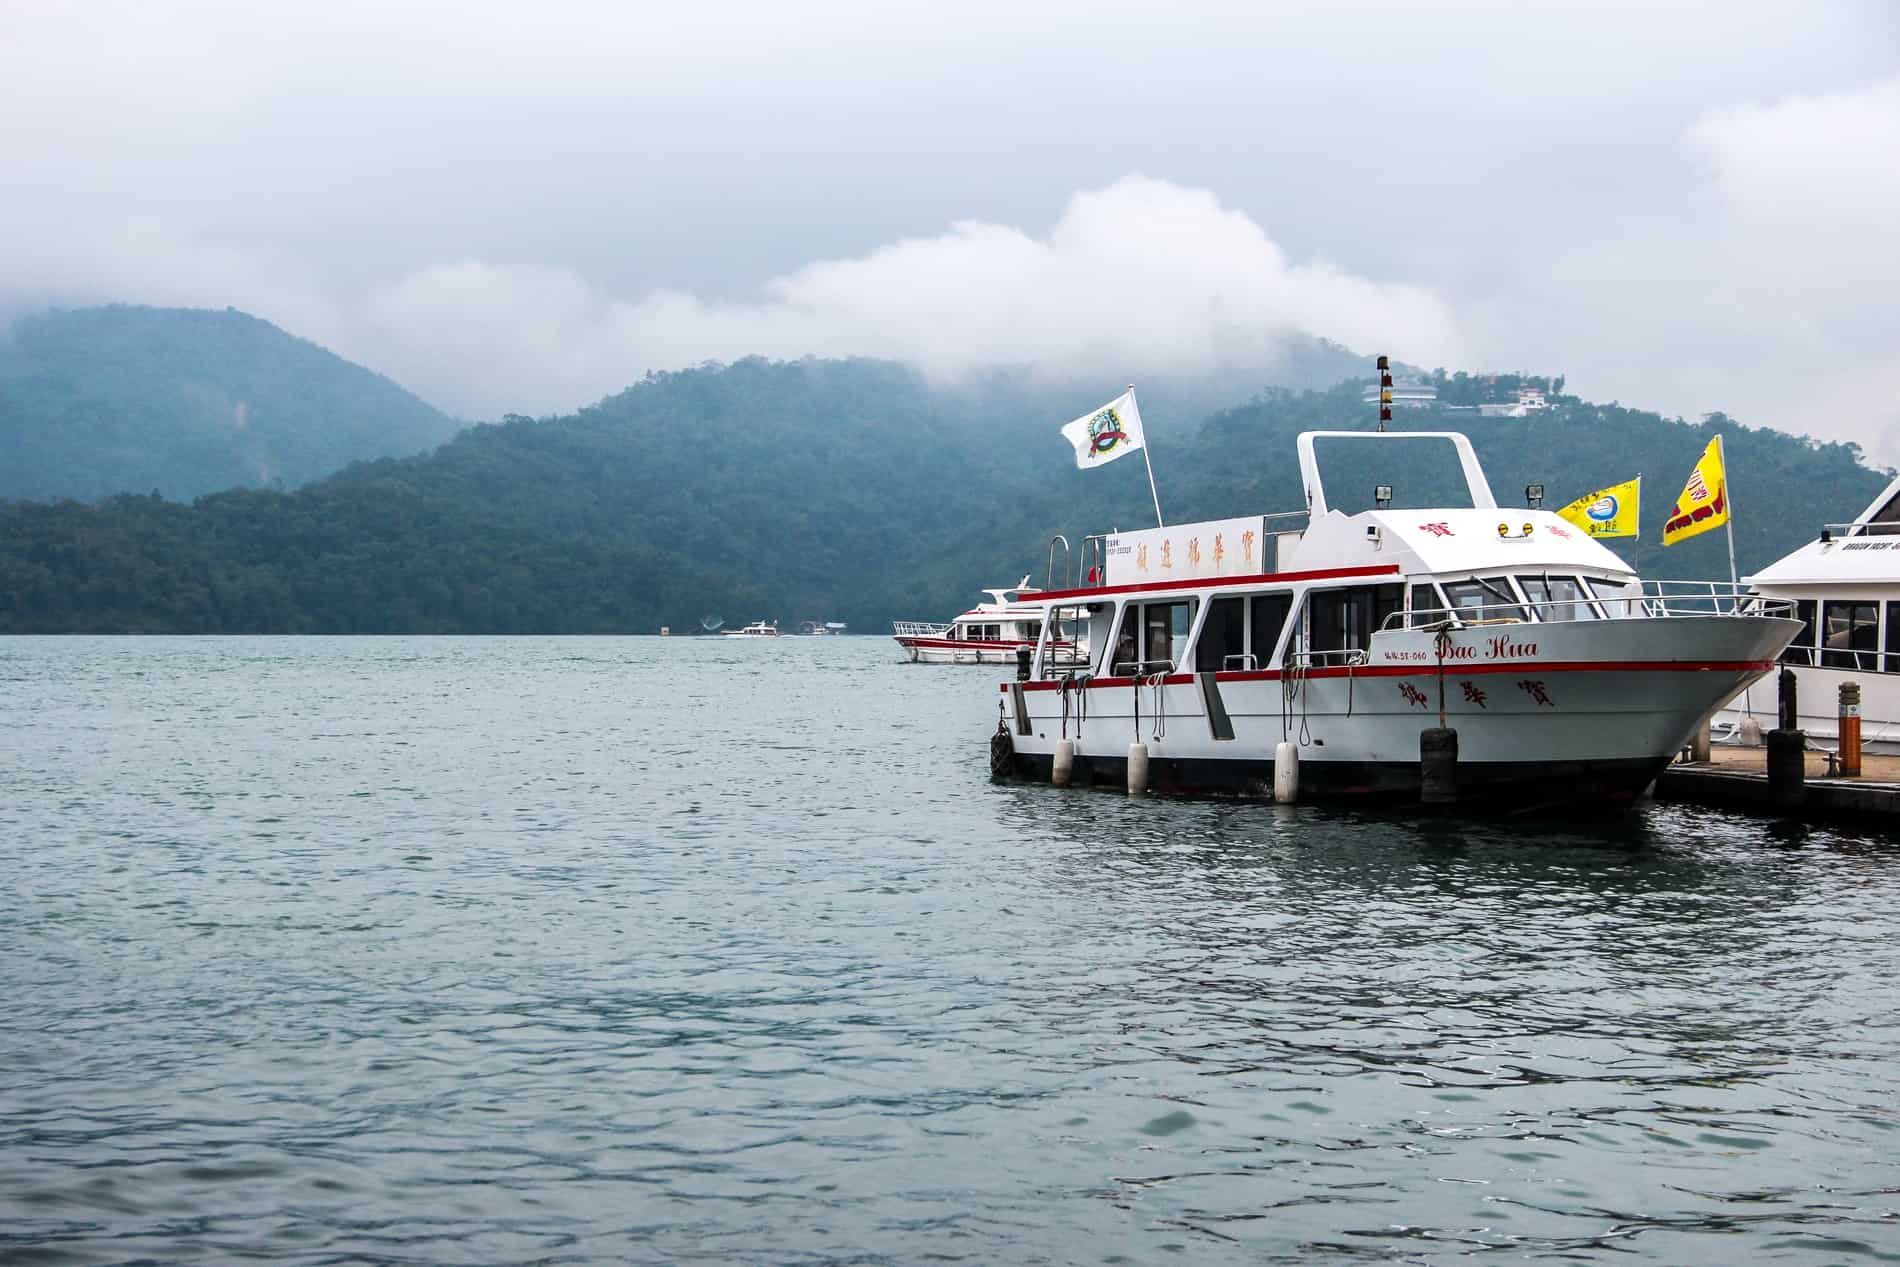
(1865, 551)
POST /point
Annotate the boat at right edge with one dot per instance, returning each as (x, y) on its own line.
(1337, 639)
(1844, 587)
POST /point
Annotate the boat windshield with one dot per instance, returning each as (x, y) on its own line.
(1619, 598)
(1482, 598)
(1558, 597)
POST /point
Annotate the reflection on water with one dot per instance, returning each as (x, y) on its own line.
(621, 950)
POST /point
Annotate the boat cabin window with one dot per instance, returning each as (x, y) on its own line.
(1150, 636)
(1241, 632)
(1801, 650)
(1065, 647)
(1850, 635)
(1557, 597)
(1483, 598)
(1344, 620)
(1426, 607)
(1269, 616)
(1619, 598)
(1893, 639)
(1223, 640)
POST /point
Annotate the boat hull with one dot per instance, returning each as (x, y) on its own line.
(1580, 715)
(960, 651)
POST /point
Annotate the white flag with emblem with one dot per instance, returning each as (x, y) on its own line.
(1107, 433)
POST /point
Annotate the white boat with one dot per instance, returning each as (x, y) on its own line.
(988, 633)
(1845, 587)
(821, 628)
(757, 629)
(1570, 682)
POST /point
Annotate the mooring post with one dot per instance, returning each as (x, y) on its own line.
(1850, 729)
(1787, 767)
(1786, 700)
(1438, 765)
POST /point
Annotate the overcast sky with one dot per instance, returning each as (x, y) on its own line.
(523, 207)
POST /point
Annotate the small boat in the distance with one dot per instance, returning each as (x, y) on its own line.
(757, 629)
(988, 633)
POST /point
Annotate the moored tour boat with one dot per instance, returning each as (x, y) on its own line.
(1845, 588)
(988, 633)
(1570, 682)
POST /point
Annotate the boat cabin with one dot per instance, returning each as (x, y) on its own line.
(1315, 588)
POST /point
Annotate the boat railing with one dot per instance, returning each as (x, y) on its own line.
(1700, 598)
(1831, 531)
(1459, 617)
(919, 629)
(1140, 668)
(1652, 600)
(1341, 657)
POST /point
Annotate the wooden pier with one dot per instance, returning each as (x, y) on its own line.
(1737, 778)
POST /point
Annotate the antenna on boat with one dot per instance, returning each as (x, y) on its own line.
(1385, 391)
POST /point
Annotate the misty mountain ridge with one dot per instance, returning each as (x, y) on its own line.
(840, 490)
(96, 401)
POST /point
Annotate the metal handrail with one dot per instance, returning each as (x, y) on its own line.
(1342, 656)
(919, 628)
(1707, 598)
(1457, 617)
(1652, 600)
(1049, 569)
(1876, 529)
(1140, 668)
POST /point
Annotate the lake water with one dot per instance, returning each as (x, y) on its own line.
(689, 950)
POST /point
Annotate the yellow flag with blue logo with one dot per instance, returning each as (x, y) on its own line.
(1608, 512)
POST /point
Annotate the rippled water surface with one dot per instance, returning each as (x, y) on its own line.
(564, 951)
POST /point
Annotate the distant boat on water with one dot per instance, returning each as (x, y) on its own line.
(757, 629)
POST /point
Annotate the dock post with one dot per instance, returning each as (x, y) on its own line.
(1438, 766)
(1787, 767)
(1699, 744)
(1850, 729)
(1787, 701)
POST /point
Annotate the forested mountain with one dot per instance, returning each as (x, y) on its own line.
(96, 401)
(845, 490)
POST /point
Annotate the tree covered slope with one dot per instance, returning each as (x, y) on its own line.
(97, 401)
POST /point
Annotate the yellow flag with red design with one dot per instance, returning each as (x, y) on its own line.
(1704, 501)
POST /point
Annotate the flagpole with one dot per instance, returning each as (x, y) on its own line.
(1728, 524)
(1159, 522)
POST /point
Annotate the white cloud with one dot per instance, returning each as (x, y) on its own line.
(1139, 276)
